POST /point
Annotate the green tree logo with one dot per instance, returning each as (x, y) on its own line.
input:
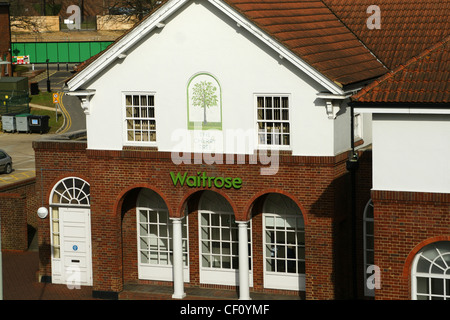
(204, 96)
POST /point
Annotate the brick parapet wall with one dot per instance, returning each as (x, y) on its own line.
(18, 207)
(404, 222)
(315, 183)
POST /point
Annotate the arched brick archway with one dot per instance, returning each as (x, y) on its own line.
(126, 205)
(247, 211)
(197, 193)
(409, 260)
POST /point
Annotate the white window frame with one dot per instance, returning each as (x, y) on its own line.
(148, 128)
(368, 240)
(432, 254)
(219, 275)
(159, 271)
(266, 145)
(276, 279)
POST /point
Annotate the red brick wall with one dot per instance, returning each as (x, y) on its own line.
(405, 222)
(18, 208)
(5, 43)
(317, 184)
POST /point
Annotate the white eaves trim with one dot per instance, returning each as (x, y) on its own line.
(277, 47)
(120, 48)
(403, 110)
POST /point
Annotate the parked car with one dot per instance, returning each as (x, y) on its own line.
(5, 162)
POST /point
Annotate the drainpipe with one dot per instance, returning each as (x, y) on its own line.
(352, 166)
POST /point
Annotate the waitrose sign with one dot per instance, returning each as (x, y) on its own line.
(202, 180)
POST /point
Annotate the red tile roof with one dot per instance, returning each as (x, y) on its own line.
(408, 27)
(423, 79)
(313, 32)
(332, 35)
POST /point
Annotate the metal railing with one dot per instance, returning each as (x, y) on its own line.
(14, 101)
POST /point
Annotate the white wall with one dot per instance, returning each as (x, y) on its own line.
(411, 153)
(195, 40)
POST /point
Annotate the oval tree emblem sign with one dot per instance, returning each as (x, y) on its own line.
(204, 102)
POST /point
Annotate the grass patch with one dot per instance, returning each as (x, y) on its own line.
(43, 99)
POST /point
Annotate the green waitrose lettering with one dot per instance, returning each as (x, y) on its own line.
(202, 180)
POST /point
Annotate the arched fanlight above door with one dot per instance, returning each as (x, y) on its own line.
(71, 191)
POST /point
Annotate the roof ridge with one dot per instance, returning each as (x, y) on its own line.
(400, 68)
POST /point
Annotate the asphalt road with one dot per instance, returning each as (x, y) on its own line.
(57, 75)
(19, 145)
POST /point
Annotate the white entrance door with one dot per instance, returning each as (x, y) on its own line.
(74, 266)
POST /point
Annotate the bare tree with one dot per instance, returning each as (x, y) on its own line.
(132, 8)
(22, 13)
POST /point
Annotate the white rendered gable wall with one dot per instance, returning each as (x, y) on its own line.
(200, 38)
(411, 152)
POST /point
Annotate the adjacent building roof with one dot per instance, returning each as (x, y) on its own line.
(407, 28)
(423, 79)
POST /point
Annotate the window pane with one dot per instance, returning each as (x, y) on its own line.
(144, 112)
(291, 266)
(270, 265)
(277, 114)
(55, 227)
(56, 240)
(226, 262)
(437, 286)
(143, 100)
(260, 114)
(447, 287)
(144, 257)
(286, 140)
(422, 285)
(215, 247)
(56, 253)
(301, 267)
(423, 265)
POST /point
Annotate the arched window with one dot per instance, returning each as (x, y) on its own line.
(155, 247)
(431, 272)
(284, 243)
(368, 245)
(219, 243)
(71, 191)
